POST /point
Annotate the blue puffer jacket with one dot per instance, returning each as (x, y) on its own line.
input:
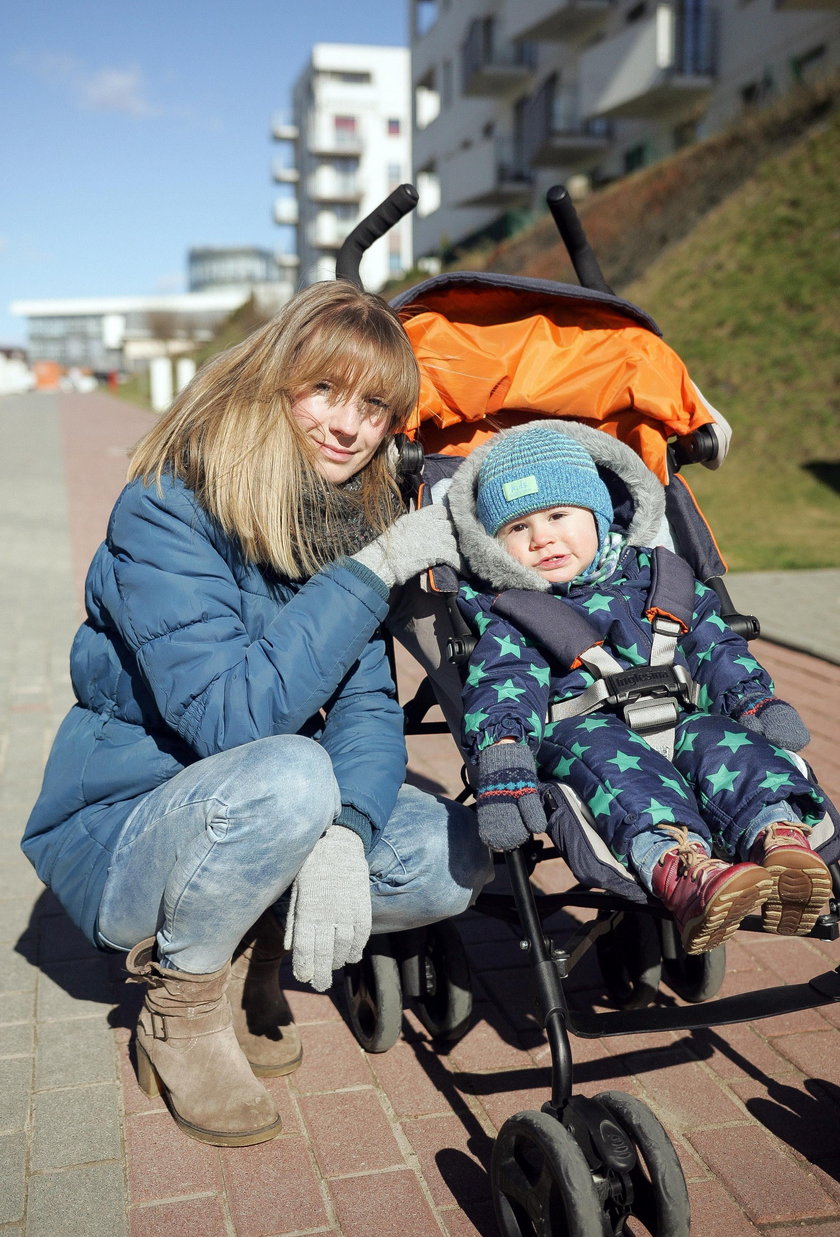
(189, 650)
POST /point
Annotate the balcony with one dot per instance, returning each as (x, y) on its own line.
(286, 212)
(282, 131)
(288, 262)
(654, 69)
(284, 175)
(555, 134)
(329, 185)
(326, 140)
(547, 21)
(489, 173)
(327, 232)
(490, 66)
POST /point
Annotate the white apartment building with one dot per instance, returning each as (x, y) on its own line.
(513, 96)
(348, 146)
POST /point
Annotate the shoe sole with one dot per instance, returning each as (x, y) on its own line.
(278, 1070)
(802, 886)
(743, 895)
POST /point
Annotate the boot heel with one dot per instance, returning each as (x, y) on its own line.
(147, 1076)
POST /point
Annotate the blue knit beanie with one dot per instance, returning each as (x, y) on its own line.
(531, 469)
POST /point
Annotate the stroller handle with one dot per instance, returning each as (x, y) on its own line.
(574, 238)
(380, 220)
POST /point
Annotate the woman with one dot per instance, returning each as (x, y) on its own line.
(236, 733)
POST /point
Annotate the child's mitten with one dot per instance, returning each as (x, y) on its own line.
(777, 721)
(508, 800)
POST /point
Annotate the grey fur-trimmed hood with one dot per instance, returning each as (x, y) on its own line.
(641, 523)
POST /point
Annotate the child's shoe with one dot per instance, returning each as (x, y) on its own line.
(802, 881)
(707, 897)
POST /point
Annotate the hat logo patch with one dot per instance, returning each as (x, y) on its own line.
(519, 488)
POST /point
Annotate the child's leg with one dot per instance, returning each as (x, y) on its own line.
(648, 816)
(761, 808)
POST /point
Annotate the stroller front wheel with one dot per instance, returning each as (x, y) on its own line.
(541, 1183)
(660, 1195)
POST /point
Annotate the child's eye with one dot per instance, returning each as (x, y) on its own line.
(557, 515)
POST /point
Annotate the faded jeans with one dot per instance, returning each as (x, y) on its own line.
(202, 856)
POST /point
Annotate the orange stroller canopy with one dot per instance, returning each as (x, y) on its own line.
(479, 377)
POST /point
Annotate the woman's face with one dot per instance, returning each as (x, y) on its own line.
(346, 434)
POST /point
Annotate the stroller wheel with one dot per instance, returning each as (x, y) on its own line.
(541, 1183)
(660, 1195)
(696, 977)
(630, 958)
(444, 1005)
(373, 994)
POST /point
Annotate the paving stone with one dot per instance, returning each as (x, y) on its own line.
(17, 1040)
(454, 1155)
(12, 1178)
(769, 1185)
(477, 1220)
(154, 1143)
(74, 1052)
(274, 1188)
(88, 1200)
(15, 1084)
(713, 1211)
(816, 1055)
(80, 989)
(189, 1217)
(391, 1205)
(350, 1132)
(416, 1080)
(331, 1058)
(77, 1126)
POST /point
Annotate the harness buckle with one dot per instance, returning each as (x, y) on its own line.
(648, 683)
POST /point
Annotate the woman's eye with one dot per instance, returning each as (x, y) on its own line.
(321, 386)
(376, 405)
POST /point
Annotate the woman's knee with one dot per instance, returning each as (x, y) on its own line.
(285, 777)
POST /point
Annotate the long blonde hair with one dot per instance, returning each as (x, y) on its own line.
(232, 437)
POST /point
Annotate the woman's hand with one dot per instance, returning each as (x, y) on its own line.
(416, 541)
(329, 917)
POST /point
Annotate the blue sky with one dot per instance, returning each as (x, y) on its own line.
(135, 129)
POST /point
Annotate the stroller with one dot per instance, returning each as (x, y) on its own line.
(496, 351)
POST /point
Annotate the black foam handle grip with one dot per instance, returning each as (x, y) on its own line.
(574, 238)
(380, 220)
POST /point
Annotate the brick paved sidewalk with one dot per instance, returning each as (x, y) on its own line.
(393, 1143)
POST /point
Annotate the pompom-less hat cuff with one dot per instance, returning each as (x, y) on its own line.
(523, 491)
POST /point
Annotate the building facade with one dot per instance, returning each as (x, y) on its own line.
(209, 267)
(347, 146)
(512, 96)
(123, 333)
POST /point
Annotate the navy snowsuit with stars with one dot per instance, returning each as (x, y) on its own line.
(722, 775)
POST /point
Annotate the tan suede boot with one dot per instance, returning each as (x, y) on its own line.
(187, 1050)
(262, 1019)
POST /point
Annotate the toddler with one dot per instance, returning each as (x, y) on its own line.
(718, 831)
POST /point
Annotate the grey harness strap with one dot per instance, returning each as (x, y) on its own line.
(648, 697)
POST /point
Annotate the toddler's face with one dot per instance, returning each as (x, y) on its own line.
(559, 542)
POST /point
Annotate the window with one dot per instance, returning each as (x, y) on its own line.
(637, 12)
(635, 157)
(345, 131)
(394, 126)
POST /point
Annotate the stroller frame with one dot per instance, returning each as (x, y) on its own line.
(580, 1166)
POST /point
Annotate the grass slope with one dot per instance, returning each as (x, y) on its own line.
(750, 302)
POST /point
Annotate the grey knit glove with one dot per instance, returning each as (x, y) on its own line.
(779, 722)
(416, 541)
(329, 917)
(507, 800)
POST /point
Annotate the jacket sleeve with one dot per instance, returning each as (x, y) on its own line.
(363, 735)
(731, 680)
(178, 606)
(506, 690)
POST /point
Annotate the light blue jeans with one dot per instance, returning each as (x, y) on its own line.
(202, 856)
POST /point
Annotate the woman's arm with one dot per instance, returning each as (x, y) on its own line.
(178, 606)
